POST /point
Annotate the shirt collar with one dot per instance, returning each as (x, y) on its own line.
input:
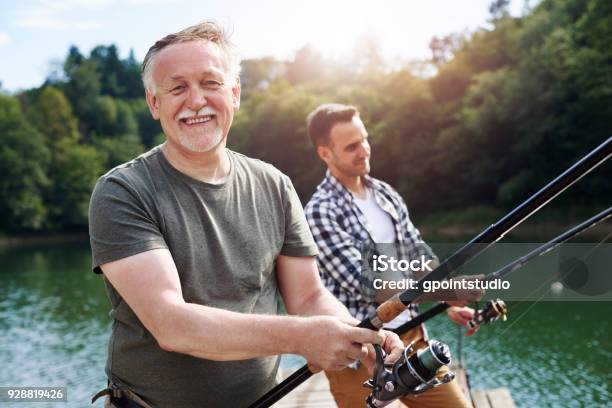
(339, 188)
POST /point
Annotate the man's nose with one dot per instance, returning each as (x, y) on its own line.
(196, 98)
(364, 150)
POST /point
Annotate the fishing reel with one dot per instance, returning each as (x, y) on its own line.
(492, 311)
(413, 373)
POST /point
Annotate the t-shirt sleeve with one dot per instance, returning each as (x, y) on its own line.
(298, 238)
(120, 225)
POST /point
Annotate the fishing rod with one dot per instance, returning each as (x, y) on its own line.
(415, 372)
(489, 311)
(394, 306)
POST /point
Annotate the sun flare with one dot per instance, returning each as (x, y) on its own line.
(338, 30)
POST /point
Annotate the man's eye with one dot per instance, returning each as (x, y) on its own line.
(177, 89)
(213, 84)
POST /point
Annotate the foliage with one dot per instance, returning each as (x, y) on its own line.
(73, 167)
(23, 161)
(490, 118)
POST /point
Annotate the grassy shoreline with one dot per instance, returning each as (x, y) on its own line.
(446, 226)
(36, 239)
(462, 225)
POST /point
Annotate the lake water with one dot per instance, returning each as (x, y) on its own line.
(54, 326)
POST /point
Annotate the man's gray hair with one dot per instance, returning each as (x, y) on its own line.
(206, 30)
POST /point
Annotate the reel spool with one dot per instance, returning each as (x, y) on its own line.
(413, 373)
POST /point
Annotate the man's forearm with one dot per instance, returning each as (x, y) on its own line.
(196, 330)
(302, 289)
(322, 302)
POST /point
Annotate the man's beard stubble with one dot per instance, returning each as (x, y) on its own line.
(196, 147)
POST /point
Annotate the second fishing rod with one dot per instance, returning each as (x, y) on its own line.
(512, 266)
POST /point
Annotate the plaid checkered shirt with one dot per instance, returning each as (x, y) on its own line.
(343, 236)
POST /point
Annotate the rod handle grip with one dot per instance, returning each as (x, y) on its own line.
(390, 309)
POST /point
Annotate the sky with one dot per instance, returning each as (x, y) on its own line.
(35, 35)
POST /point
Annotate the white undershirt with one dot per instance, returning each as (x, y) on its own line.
(380, 223)
(382, 230)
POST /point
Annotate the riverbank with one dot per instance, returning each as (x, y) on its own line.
(446, 226)
(462, 225)
(61, 238)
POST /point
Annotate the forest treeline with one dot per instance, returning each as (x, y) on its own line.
(488, 119)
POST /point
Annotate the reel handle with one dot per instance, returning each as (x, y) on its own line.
(493, 310)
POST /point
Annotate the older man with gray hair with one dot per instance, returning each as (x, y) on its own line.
(195, 241)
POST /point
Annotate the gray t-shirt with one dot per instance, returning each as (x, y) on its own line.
(224, 240)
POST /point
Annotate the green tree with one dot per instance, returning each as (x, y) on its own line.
(259, 73)
(271, 126)
(73, 167)
(23, 162)
(82, 89)
(148, 128)
(114, 117)
(53, 116)
(109, 66)
(129, 77)
(117, 149)
(77, 169)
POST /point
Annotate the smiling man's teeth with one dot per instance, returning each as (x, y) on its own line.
(191, 121)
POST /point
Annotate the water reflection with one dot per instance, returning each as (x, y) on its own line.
(556, 354)
(54, 321)
(54, 326)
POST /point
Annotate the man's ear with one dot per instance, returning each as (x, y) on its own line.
(153, 103)
(236, 89)
(324, 153)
